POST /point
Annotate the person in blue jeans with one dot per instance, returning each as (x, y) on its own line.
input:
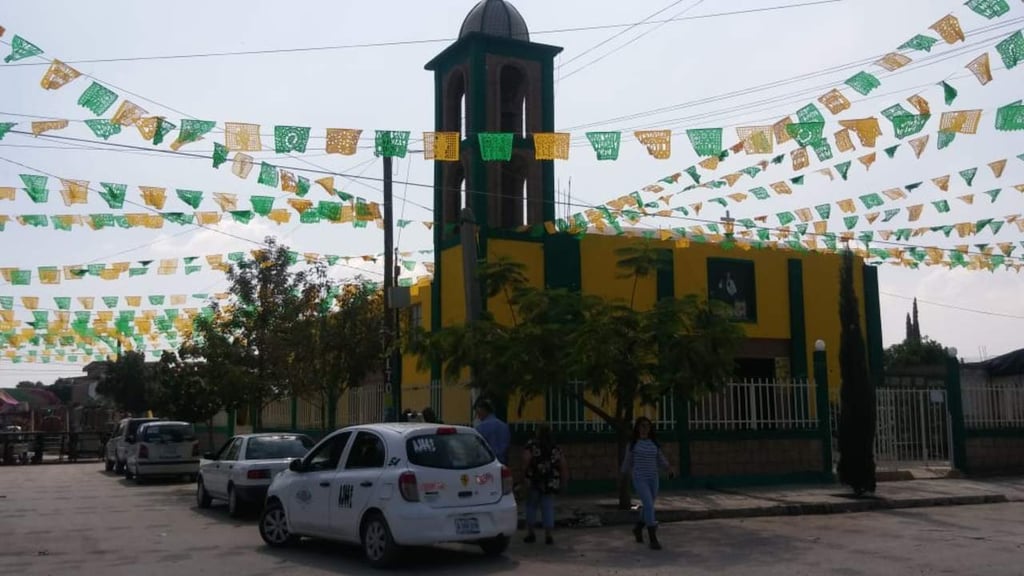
(546, 476)
(643, 462)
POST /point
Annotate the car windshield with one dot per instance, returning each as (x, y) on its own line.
(175, 432)
(275, 447)
(448, 451)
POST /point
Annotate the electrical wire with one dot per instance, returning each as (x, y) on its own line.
(953, 306)
(395, 43)
(565, 77)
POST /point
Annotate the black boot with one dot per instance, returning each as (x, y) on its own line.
(638, 532)
(652, 531)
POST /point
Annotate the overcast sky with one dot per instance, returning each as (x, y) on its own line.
(686, 65)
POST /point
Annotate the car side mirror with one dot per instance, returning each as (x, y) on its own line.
(210, 456)
(295, 465)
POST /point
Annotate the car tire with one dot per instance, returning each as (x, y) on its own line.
(236, 507)
(274, 527)
(138, 478)
(203, 499)
(128, 473)
(118, 468)
(108, 465)
(495, 546)
(378, 545)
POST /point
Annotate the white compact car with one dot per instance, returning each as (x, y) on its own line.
(385, 486)
(163, 448)
(241, 471)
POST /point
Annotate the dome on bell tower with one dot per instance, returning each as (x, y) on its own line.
(495, 18)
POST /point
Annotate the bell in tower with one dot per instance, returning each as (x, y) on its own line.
(494, 79)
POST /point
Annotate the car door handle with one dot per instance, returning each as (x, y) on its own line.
(366, 484)
(325, 484)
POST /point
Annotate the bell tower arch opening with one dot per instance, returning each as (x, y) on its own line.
(513, 95)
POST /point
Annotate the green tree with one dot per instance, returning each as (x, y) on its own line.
(623, 356)
(857, 393)
(249, 340)
(335, 340)
(184, 394)
(915, 350)
(129, 383)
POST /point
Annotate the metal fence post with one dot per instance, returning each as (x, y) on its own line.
(955, 401)
(821, 403)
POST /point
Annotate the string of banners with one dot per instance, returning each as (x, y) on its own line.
(190, 264)
(240, 137)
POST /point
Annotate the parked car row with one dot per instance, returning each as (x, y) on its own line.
(144, 448)
(380, 486)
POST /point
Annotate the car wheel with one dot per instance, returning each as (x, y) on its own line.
(203, 499)
(119, 468)
(108, 465)
(378, 545)
(495, 546)
(128, 473)
(235, 506)
(274, 526)
(138, 477)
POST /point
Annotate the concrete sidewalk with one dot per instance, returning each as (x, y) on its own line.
(789, 501)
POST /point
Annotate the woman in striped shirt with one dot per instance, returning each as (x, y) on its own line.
(643, 460)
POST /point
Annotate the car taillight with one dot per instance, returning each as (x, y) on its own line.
(262, 474)
(143, 451)
(506, 480)
(407, 486)
(447, 431)
(195, 449)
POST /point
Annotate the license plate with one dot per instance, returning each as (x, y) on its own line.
(467, 526)
(169, 453)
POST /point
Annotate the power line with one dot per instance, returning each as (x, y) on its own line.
(953, 306)
(628, 25)
(791, 80)
(617, 34)
(630, 42)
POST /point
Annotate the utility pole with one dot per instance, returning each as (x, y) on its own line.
(389, 332)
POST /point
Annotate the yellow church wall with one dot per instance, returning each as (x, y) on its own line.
(416, 379)
(601, 276)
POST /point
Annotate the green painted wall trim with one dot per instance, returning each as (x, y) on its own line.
(562, 268)
(822, 408)
(608, 487)
(666, 281)
(734, 435)
(994, 433)
(797, 321)
(955, 403)
(873, 314)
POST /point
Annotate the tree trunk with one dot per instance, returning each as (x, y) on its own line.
(209, 433)
(622, 440)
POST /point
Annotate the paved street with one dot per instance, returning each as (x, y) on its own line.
(67, 519)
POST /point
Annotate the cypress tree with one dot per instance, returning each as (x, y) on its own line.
(857, 392)
(917, 325)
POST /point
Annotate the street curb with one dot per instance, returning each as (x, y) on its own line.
(626, 517)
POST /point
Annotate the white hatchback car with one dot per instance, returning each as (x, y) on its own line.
(241, 471)
(385, 486)
(163, 448)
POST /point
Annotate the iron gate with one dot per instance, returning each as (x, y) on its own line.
(913, 427)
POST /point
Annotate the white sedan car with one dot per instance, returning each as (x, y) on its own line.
(241, 471)
(385, 486)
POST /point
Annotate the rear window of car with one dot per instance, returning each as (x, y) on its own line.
(448, 451)
(169, 433)
(133, 425)
(274, 447)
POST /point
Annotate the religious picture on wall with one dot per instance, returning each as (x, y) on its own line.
(732, 282)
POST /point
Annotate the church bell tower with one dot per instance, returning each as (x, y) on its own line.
(494, 79)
